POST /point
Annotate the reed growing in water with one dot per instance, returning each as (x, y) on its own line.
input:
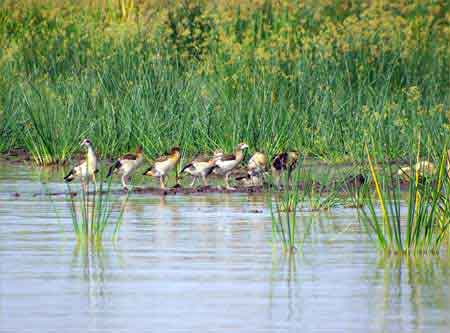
(424, 227)
(92, 211)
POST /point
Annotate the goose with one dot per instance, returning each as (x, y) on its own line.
(284, 161)
(163, 165)
(87, 169)
(127, 165)
(201, 166)
(227, 163)
(424, 168)
(256, 168)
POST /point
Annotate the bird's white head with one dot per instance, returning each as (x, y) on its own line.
(242, 146)
(86, 142)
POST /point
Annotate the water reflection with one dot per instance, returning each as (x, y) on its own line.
(414, 285)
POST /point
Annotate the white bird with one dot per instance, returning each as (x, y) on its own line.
(127, 165)
(163, 165)
(201, 166)
(87, 168)
(227, 163)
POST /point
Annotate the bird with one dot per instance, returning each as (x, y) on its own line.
(163, 165)
(423, 168)
(201, 166)
(87, 169)
(127, 165)
(282, 162)
(226, 164)
(256, 168)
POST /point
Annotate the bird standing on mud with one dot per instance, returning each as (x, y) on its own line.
(163, 165)
(87, 168)
(282, 162)
(127, 165)
(256, 169)
(228, 163)
(201, 166)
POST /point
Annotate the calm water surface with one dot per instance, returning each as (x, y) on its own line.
(202, 263)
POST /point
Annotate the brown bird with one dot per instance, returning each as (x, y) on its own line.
(286, 161)
(228, 163)
(256, 168)
(163, 165)
(127, 165)
(201, 166)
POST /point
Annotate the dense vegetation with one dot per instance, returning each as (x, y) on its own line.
(321, 76)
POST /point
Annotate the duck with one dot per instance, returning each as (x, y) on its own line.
(284, 161)
(227, 163)
(163, 165)
(201, 166)
(127, 165)
(87, 169)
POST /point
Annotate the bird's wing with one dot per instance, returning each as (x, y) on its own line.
(228, 157)
(128, 156)
(162, 158)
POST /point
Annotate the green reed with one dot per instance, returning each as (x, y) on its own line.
(283, 209)
(92, 210)
(425, 226)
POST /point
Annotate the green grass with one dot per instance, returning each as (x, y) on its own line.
(425, 226)
(73, 76)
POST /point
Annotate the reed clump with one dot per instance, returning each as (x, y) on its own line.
(420, 228)
(283, 209)
(91, 210)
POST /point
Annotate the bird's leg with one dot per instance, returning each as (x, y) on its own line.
(83, 185)
(205, 182)
(161, 182)
(94, 181)
(193, 181)
(124, 182)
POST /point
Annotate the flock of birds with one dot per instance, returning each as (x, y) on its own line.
(199, 168)
(219, 163)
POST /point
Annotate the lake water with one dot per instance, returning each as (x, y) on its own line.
(202, 263)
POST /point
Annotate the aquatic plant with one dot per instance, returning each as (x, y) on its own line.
(283, 210)
(424, 228)
(92, 212)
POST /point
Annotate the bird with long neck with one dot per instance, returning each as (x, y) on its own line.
(87, 169)
(228, 163)
(163, 165)
(127, 165)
